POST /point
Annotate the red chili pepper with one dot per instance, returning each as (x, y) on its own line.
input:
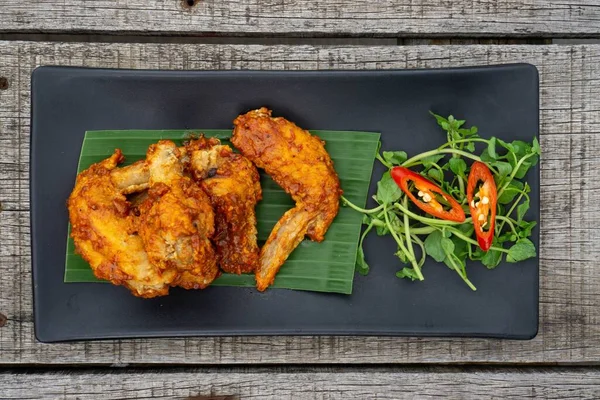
(482, 203)
(427, 201)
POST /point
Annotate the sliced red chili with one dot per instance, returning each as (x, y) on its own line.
(426, 191)
(482, 197)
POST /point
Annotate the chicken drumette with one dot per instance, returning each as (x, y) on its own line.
(233, 185)
(299, 163)
(176, 221)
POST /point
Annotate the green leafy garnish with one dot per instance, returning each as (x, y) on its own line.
(387, 190)
(419, 235)
(458, 166)
(522, 250)
(408, 273)
(395, 157)
(492, 258)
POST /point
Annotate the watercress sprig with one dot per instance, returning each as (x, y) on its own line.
(418, 235)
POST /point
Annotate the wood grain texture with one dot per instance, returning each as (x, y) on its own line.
(570, 137)
(281, 384)
(391, 18)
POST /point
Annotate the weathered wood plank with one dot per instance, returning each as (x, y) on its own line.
(392, 18)
(570, 137)
(276, 383)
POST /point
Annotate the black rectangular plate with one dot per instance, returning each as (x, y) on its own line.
(502, 101)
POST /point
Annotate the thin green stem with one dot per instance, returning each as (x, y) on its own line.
(459, 234)
(377, 222)
(413, 160)
(381, 160)
(364, 235)
(512, 208)
(429, 221)
(425, 230)
(407, 231)
(438, 168)
(459, 271)
(514, 172)
(359, 209)
(392, 231)
(453, 142)
(461, 185)
(403, 248)
(516, 203)
(505, 219)
(420, 243)
(360, 245)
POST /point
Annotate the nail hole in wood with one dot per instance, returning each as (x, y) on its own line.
(3, 320)
(3, 83)
(189, 3)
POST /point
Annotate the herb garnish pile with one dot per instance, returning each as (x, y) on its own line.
(435, 232)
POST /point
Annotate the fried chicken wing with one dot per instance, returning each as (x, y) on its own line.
(299, 163)
(233, 185)
(176, 221)
(132, 178)
(104, 233)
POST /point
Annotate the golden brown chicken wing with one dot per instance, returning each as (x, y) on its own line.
(176, 222)
(299, 163)
(104, 235)
(132, 178)
(233, 185)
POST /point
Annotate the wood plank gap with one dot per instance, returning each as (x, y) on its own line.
(265, 39)
(299, 369)
(330, 383)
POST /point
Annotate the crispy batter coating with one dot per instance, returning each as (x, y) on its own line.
(176, 222)
(299, 163)
(104, 235)
(233, 185)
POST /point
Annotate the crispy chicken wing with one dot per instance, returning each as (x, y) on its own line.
(233, 185)
(299, 163)
(132, 178)
(177, 220)
(104, 235)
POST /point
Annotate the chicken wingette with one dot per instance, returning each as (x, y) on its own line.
(299, 163)
(233, 185)
(104, 234)
(176, 221)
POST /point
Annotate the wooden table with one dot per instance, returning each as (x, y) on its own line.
(319, 34)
